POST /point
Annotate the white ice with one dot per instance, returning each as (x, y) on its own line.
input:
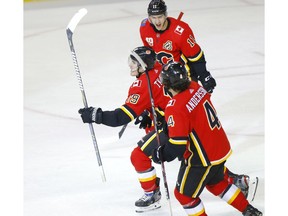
(61, 173)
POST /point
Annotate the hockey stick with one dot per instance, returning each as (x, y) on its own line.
(180, 16)
(158, 140)
(69, 31)
(144, 66)
(122, 131)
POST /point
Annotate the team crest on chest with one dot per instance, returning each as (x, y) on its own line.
(168, 45)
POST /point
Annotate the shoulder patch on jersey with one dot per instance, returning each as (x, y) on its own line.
(171, 102)
(144, 21)
(137, 83)
(179, 30)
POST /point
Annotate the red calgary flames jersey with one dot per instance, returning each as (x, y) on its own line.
(170, 45)
(138, 96)
(192, 121)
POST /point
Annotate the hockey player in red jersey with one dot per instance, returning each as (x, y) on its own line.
(174, 40)
(137, 101)
(196, 137)
(138, 96)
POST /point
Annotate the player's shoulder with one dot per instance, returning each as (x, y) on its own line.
(171, 103)
(174, 107)
(183, 97)
(144, 23)
(156, 70)
(139, 84)
(178, 26)
(174, 21)
(145, 27)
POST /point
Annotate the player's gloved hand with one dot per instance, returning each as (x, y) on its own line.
(208, 82)
(157, 154)
(144, 120)
(91, 114)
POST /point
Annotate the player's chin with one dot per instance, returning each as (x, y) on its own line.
(158, 27)
(133, 73)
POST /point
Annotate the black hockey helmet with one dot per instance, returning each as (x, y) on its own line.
(175, 76)
(157, 7)
(145, 56)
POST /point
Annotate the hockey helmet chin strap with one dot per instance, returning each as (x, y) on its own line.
(141, 62)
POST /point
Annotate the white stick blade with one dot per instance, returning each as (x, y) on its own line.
(76, 19)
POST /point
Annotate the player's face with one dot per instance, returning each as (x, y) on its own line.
(133, 67)
(159, 21)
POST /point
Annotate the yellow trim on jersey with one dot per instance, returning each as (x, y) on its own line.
(222, 159)
(201, 182)
(184, 178)
(197, 146)
(178, 142)
(184, 59)
(159, 111)
(148, 141)
(127, 112)
(187, 169)
(197, 57)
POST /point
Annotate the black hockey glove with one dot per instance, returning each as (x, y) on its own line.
(208, 82)
(144, 120)
(91, 114)
(157, 154)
